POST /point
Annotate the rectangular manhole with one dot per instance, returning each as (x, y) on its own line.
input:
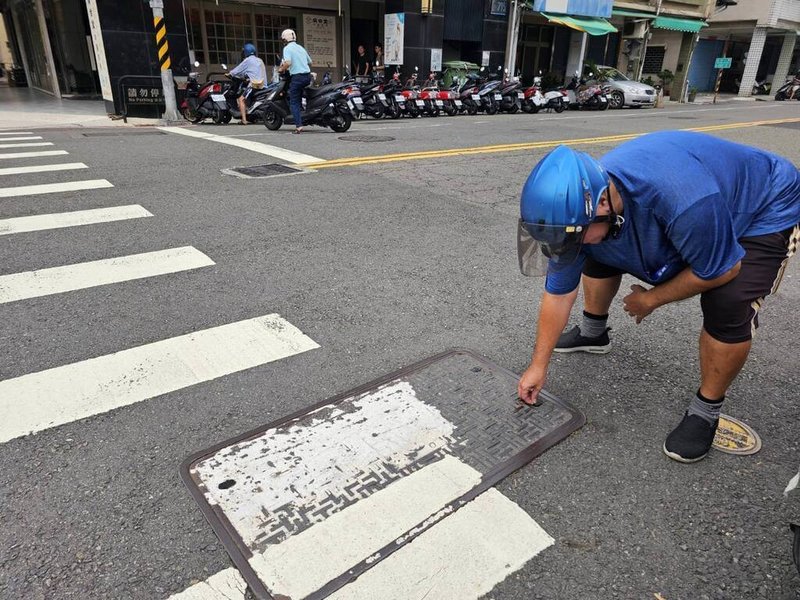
(405, 451)
(271, 170)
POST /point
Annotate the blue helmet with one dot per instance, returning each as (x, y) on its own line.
(248, 50)
(559, 201)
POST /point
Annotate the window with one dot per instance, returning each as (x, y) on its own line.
(654, 59)
(227, 32)
(195, 34)
(268, 36)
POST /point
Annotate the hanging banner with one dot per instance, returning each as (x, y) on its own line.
(319, 39)
(436, 59)
(99, 50)
(583, 8)
(393, 36)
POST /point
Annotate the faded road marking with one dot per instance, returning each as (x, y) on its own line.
(53, 397)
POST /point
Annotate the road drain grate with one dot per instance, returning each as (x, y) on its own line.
(366, 138)
(271, 170)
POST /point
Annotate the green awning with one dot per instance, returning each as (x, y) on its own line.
(621, 12)
(591, 25)
(675, 24)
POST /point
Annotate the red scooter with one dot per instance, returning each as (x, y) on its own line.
(204, 101)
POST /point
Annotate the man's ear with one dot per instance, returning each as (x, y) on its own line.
(604, 201)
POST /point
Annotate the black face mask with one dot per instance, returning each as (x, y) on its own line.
(615, 222)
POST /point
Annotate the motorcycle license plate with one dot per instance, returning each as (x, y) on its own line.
(603, 100)
(400, 98)
(381, 97)
(420, 103)
(498, 97)
(439, 103)
(218, 97)
(351, 105)
(521, 95)
(459, 103)
(476, 97)
(358, 101)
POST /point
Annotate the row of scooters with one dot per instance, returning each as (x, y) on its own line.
(336, 105)
(477, 93)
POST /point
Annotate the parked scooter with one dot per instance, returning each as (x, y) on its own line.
(583, 94)
(535, 99)
(325, 106)
(203, 102)
(490, 96)
(792, 85)
(511, 94)
(395, 101)
(254, 103)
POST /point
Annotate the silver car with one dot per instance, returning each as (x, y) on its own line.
(624, 91)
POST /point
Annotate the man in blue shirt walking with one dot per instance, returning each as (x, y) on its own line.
(687, 213)
(297, 61)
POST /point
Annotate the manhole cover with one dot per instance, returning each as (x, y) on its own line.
(271, 170)
(121, 133)
(366, 138)
(367, 471)
(736, 437)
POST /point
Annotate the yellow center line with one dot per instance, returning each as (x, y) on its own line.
(388, 158)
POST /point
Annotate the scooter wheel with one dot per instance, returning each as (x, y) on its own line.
(603, 106)
(559, 108)
(218, 116)
(272, 120)
(341, 122)
(191, 116)
(513, 108)
(472, 110)
(491, 109)
(394, 112)
(450, 111)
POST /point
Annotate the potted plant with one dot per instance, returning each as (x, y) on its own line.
(692, 94)
(666, 76)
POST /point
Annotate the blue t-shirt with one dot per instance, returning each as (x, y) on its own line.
(251, 67)
(300, 60)
(688, 198)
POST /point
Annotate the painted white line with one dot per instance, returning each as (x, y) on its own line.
(290, 156)
(33, 154)
(46, 399)
(71, 219)
(16, 133)
(360, 530)
(50, 188)
(42, 168)
(56, 280)
(461, 558)
(21, 139)
(26, 145)
(225, 585)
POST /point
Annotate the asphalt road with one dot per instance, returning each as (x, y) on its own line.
(381, 265)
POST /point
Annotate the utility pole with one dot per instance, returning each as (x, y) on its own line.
(514, 10)
(171, 110)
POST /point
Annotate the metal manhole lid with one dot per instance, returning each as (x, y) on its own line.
(405, 451)
(736, 437)
(270, 170)
(366, 138)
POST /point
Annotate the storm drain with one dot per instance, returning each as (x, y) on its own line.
(260, 171)
(366, 138)
(368, 471)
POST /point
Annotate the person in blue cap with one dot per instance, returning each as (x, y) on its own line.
(687, 213)
(254, 70)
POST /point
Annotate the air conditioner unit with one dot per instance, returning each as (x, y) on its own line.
(634, 29)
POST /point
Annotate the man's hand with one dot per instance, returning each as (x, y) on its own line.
(531, 382)
(638, 303)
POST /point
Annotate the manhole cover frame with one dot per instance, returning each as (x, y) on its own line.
(240, 554)
(367, 139)
(291, 170)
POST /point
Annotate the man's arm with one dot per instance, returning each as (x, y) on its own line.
(553, 317)
(237, 70)
(641, 302)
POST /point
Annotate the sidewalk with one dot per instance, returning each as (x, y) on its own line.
(24, 107)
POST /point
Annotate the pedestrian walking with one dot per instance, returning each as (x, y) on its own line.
(297, 61)
(708, 217)
(361, 63)
(253, 69)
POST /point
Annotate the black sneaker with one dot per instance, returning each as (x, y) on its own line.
(573, 341)
(691, 440)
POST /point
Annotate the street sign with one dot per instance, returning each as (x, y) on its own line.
(723, 63)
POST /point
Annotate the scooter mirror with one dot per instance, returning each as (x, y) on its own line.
(196, 63)
(224, 66)
(416, 69)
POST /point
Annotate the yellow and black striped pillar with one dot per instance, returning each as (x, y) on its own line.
(161, 42)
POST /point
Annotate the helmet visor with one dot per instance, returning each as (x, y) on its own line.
(540, 247)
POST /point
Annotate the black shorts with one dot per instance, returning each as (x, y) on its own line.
(730, 311)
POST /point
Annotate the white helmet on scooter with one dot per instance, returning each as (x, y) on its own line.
(288, 35)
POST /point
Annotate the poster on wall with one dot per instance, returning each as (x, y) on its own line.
(394, 29)
(485, 59)
(99, 50)
(436, 59)
(319, 39)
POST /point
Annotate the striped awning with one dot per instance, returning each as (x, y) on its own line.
(675, 24)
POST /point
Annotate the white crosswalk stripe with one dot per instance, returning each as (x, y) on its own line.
(21, 139)
(57, 280)
(14, 155)
(16, 133)
(26, 145)
(72, 219)
(42, 168)
(50, 188)
(64, 394)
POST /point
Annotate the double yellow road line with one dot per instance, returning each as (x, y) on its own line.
(390, 158)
